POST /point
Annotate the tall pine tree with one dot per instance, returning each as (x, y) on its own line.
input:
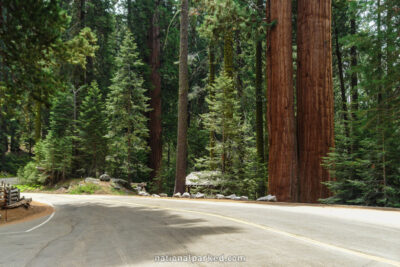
(126, 108)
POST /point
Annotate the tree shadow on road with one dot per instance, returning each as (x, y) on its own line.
(114, 235)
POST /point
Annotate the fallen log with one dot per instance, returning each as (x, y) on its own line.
(23, 202)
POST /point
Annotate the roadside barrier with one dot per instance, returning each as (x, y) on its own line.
(10, 197)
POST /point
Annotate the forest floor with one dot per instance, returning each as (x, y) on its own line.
(77, 186)
(21, 214)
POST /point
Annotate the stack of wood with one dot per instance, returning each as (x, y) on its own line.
(10, 197)
(2, 196)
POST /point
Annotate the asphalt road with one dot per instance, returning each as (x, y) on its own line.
(127, 231)
(13, 180)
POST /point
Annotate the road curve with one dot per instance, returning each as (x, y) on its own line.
(129, 231)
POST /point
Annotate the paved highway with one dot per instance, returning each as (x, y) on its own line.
(13, 180)
(138, 231)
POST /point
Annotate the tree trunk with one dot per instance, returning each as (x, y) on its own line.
(155, 96)
(315, 109)
(38, 121)
(354, 80)
(341, 79)
(181, 151)
(282, 165)
(259, 94)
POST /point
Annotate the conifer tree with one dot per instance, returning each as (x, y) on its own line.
(92, 130)
(126, 108)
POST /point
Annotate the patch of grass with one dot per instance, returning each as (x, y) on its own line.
(119, 192)
(5, 174)
(85, 189)
(29, 187)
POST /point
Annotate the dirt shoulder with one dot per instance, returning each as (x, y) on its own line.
(35, 211)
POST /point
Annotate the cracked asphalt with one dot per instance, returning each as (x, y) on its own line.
(138, 231)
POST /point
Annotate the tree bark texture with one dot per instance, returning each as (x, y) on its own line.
(259, 96)
(315, 109)
(181, 152)
(282, 165)
(342, 85)
(155, 128)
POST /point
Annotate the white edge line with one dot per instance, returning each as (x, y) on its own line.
(37, 226)
(276, 231)
(43, 223)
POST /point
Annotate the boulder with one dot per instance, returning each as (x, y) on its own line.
(177, 195)
(121, 183)
(61, 190)
(155, 195)
(105, 177)
(244, 198)
(144, 194)
(230, 196)
(186, 195)
(236, 198)
(163, 195)
(204, 178)
(200, 195)
(116, 186)
(220, 196)
(92, 180)
(268, 198)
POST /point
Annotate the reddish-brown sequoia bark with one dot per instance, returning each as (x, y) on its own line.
(282, 167)
(155, 97)
(314, 96)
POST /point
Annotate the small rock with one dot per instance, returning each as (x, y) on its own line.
(230, 196)
(186, 195)
(177, 195)
(268, 198)
(105, 177)
(220, 196)
(121, 183)
(155, 195)
(61, 190)
(200, 195)
(144, 194)
(116, 186)
(163, 195)
(92, 180)
(244, 198)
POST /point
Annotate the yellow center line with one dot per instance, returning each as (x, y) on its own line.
(276, 231)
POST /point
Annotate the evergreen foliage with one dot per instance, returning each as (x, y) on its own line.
(92, 129)
(127, 123)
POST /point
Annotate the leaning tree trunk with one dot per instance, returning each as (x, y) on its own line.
(282, 166)
(155, 141)
(342, 85)
(181, 151)
(314, 96)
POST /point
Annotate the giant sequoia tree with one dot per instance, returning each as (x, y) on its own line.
(281, 123)
(314, 96)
